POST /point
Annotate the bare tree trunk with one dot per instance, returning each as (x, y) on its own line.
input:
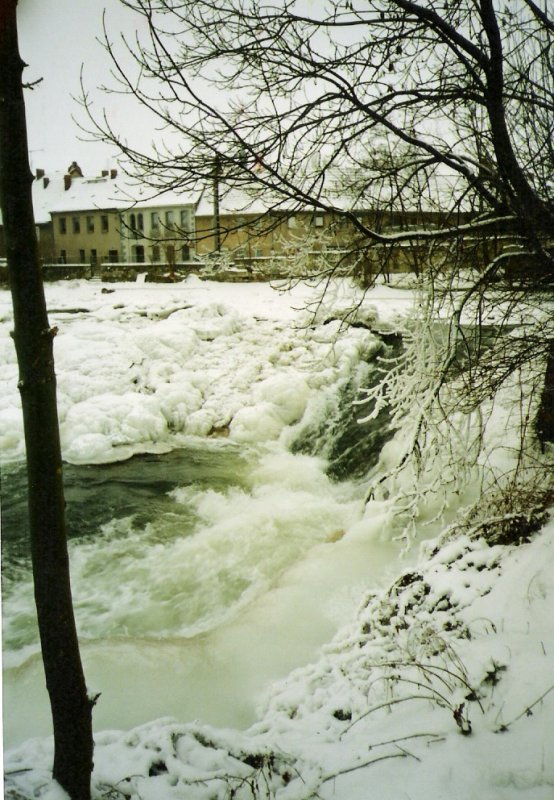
(71, 707)
(216, 220)
(529, 205)
(545, 415)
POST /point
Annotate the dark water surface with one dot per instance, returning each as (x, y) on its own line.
(96, 494)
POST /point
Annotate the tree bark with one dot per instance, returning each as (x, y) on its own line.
(33, 337)
(532, 210)
(545, 414)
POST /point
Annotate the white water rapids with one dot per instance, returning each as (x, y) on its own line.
(233, 560)
(193, 618)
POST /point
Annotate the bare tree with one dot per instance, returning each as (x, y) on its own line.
(440, 112)
(33, 337)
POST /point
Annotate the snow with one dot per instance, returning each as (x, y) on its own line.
(441, 685)
(100, 192)
(144, 367)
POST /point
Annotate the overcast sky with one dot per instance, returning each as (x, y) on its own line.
(55, 39)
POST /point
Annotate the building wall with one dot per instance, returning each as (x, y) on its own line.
(86, 237)
(158, 235)
(172, 235)
(141, 235)
(278, 233)
(45, 242)
(251, 236)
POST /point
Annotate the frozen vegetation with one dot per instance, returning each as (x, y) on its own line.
(267, 637)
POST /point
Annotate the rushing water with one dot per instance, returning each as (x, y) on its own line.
(200, 575)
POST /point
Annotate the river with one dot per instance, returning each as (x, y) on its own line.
(202, 574)
(199, 576)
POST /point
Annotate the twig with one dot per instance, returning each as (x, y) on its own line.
(405, 738)
(407, 754)
(364, 764)
(429, 668)
(386, 703)
(32, 84)
(526, 712)
(17, 771)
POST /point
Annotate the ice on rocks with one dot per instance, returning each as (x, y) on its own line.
(146, 369)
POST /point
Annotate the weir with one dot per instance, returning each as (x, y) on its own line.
(190, 569)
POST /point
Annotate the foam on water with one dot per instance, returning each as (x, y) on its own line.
(218, 676)
(191, 568)
(193, 613)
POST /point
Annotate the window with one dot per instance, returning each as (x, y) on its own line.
(185, 219)
(104, 223)
(169, 218)
(90, 224)
(138, 254)
(113, 256)
(93, 257)
(185, 253)
(63, 257)
(76, 223)
(154, 220)
(63, 225)
(82, 256)
(136, 224)
(318, 221)
(291, 222)
(156, 253)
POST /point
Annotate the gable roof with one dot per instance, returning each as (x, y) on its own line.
(99, 193)
(115, 194)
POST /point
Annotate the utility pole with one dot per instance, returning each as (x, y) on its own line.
(216, 222)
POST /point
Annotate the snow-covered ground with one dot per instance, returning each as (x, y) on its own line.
(440, 685)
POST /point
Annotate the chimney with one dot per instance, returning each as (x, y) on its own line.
(45, 182)
(40, 174)
(113, 174)
(66, 182)
(75, 170)
(105, 173)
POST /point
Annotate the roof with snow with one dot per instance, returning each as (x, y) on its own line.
(109, 192)
(341, 191)
(247, 200)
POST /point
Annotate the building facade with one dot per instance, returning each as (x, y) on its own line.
(104, 221)
(96, 225)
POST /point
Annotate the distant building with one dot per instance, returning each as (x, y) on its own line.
(108, 220)
(92, 224)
